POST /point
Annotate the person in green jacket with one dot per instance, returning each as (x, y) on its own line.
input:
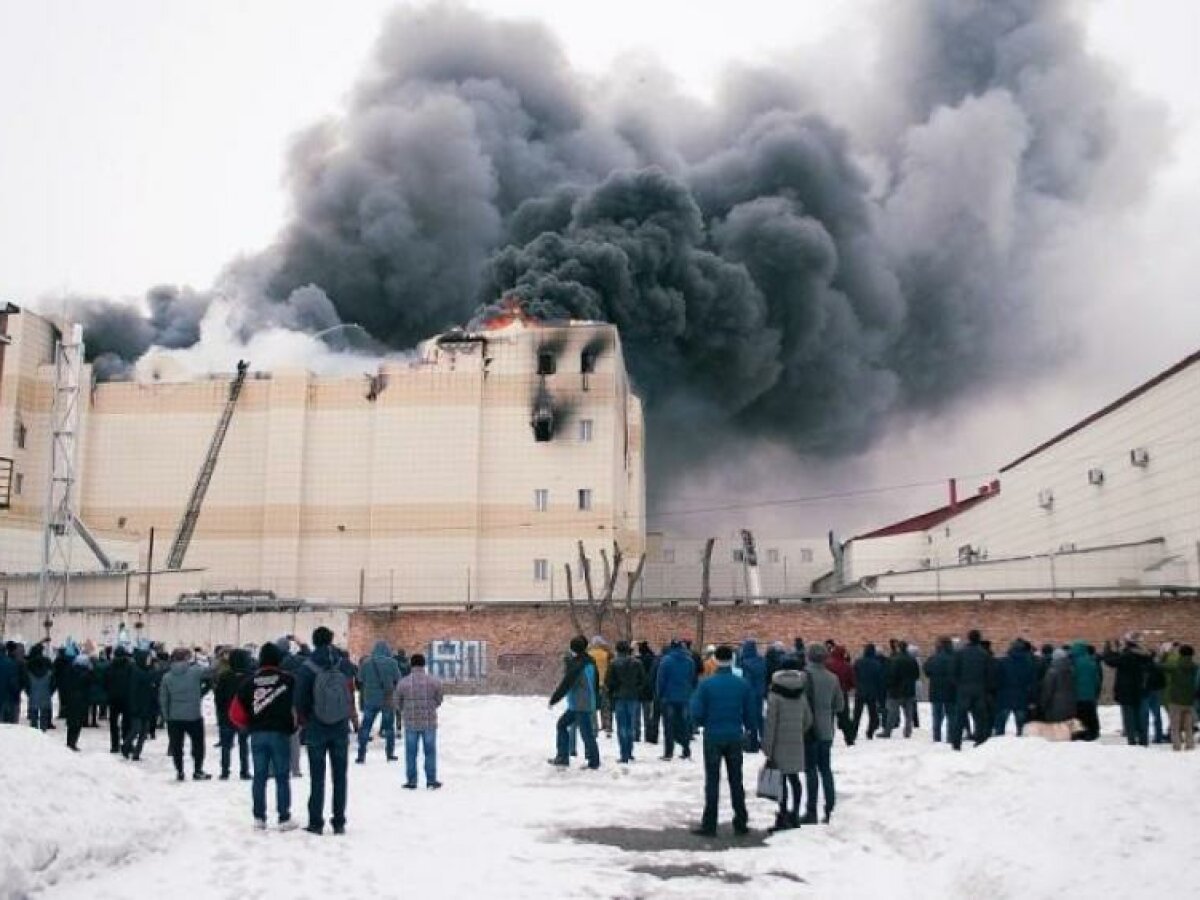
(1180, 668)
(1086, 674)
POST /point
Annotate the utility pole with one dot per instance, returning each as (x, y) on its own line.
(149, 569)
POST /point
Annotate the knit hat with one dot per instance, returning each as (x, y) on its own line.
(724, 655)
(270, 655)
(817, 653)
(578, 644)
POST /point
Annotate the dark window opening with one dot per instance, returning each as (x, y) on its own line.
(587, 362)
(545, 364)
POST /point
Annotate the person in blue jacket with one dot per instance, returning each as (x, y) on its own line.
(1018, 687)
(754, 670)
(673, 686)
(870, 690)
(724, 705)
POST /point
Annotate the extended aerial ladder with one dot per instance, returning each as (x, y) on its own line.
(187, 525)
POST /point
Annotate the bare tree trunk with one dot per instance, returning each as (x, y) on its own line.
(633, 578)
(705, 592)
(571, 601)
(585, 569)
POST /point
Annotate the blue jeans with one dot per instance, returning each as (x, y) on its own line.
(817, 763)
(332, 741)
(1135, 723)
(1019, 716)
(427, 738)
(388, 728)
(1153, 712)
(676, 729)
(943, 714)
(628, 712)
(729, 752)
(272, 753)
(585, 723)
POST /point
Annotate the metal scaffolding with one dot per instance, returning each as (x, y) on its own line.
(57, 538)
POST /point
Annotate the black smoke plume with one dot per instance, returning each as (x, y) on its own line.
(776, 275)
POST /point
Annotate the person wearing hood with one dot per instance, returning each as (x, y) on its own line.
(40, 685)
(1129, 689)
(789, 717)
(325, 707)
(580, 686)
(754, 670)
(402, 662)
(673, 686)
(840, 665)
(1018, 687)
(378, 675)
(870, 690)
(116, 689)
(726, 707)
(1180, 669)
(98, 705)
(141, 705)
(1057, 696)
(264, 705)
(1085, 676)
(76, 696)
(827, 701)
(226, 688)
(179, 697)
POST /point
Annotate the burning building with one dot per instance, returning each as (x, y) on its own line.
(466, 472)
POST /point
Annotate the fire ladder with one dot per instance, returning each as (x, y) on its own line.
(187, 525)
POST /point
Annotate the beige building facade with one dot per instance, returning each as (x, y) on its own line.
(423, 481)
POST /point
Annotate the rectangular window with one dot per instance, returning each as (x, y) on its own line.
(773, 555)
(668, 554)
(541, 499)
(585, 430)
(545, 363)
(18, 483)
(585, 499)
(806, 555)
(20, 435)
(541, 570)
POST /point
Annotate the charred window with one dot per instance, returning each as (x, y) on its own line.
(545, 363)
(587, 361)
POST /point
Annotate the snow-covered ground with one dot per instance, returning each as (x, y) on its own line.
(1016, 818)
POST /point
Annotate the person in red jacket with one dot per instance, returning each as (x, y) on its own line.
(839, 664)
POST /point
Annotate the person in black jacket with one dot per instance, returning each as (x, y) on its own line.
(75, 696)
(116, 689)
(903, 673)
(626, 680)
(264, 705)
(1131, 664)
(870, 689)
(973, 679)
(939, 669)
(142, 704)
(650, 712)
(224, 691)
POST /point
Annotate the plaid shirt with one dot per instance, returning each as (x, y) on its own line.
(418, 697)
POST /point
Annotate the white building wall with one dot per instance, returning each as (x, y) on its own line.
(1139, 528)
(787, 566)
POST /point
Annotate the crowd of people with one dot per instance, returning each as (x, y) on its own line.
(268, 705)
(290, 701)
(791, 702)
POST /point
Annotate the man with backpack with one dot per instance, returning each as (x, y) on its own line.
(325, 707)
(378, 676)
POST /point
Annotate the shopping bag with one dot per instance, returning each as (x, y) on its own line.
(770, 783)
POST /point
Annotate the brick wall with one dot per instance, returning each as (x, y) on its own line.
(525, 644)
